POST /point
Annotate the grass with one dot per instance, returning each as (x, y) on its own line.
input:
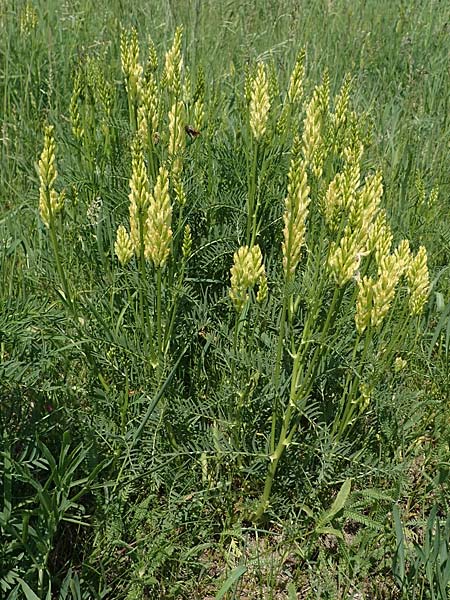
(160, 440)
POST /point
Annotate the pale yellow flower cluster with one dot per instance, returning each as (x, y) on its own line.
(295, 90)
(123, 246)
(50, 201)
(296, 212)
(150, 215)
(246, 272)
(177, 138)
(148, 111)
(259, 103)
(375, 297)
(139, 196)
(159, 233)
(174, 64)
(314, 147)
(131, 67)
(359, 207)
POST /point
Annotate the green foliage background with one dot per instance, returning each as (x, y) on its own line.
(107, 491)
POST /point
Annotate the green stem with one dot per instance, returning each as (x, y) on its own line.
(296, 392)
(159, 316)
(59, 267)
(251, 217)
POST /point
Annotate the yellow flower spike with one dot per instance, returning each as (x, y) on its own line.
(177, 139)
(364, 303)
(332, 202)
(263, 288)
(152, 57)
(259, 103)
(403, 255)
(150, 104)
(131, 67)
(125, 58)
(344, 259)
(323, 91)
(419, 281)
(142, 124)
(365, 205)
(341, 103)
(159, 232)
(312, 127)
(187, 242)
(350, 180)
(123, 246)
(379, 239)
(295, 91)
(74, 110)
(384, 288)
(246, 272)
(256, 266)
(139, 196)
(178, 188)
(174, 64)
(296, 212)
(50, 202)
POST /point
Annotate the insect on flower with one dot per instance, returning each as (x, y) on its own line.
(192, 133)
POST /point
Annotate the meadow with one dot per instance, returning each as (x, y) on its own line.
(225, 299)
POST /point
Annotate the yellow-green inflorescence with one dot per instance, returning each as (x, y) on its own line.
(139, 196)
(296, 211)
(176, 138)
(123, 246)
(131, 67)
(174, 64)
(158, 231)
(419, 281)
(246, 272)
(50, 201)
(259, 103)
